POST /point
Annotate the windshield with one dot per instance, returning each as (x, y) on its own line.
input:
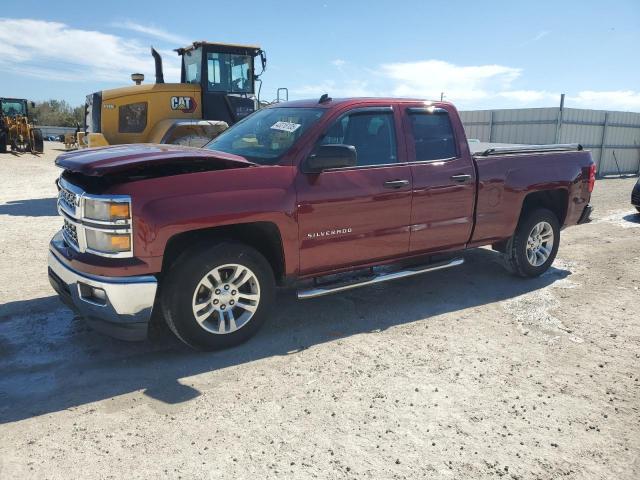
(13, 107)
(264, 136)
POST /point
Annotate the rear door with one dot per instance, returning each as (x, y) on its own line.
(443, 179)
(360, 214)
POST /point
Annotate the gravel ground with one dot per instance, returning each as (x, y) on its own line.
(467, 373)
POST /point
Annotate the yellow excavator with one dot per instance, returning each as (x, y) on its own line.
(15, 129)
(217, 88)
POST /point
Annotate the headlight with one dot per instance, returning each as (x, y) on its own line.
(112, 213)
(106, 210)
(108, 242)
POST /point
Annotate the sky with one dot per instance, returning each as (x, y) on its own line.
(479, 54)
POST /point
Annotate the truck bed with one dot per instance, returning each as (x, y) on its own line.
(505, 179)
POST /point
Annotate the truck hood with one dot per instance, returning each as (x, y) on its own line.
(97, 162)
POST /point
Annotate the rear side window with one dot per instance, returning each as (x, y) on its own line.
(373, 135)
(132, 118)
(433, 135)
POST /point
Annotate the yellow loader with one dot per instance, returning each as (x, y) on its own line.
(217, 88)
(15, 130)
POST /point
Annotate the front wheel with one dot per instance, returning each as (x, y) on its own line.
(533, 247)
(218, 296)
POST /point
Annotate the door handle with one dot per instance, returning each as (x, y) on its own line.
(462, 178)
(396, 183)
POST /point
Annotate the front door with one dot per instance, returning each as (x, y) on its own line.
(360, 214)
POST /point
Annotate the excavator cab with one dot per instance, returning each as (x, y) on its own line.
(227, 76)
(217, 88)
(12, 107)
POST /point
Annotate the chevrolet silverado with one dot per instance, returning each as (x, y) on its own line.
(318, 195)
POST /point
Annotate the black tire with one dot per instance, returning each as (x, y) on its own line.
(3, 142)
(183, 278)
(38, 142)
(515, 255)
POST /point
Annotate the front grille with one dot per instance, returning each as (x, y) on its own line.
(70, 233)
(68, 200)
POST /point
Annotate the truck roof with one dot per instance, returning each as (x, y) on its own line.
(333, 102)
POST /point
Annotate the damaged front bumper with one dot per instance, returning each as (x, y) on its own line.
(117, 306)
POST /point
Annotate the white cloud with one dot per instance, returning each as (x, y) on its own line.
(349, 88)
(428, 78)
(338, 62)
(540, 35)
(468, 86)
(53, 50)
(422, 79)
(628, 100)
(152, 31)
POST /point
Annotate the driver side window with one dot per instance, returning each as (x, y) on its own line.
(372, 134)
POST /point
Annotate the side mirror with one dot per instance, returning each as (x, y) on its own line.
(326, 157)
(33, 104)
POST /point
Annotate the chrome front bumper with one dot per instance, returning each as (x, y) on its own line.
(117, 306)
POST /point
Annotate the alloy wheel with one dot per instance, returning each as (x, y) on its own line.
(226, 299)
(539, 243)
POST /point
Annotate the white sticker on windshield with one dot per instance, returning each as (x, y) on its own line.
(286, 126)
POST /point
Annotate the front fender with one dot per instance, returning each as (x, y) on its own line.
(168, 206)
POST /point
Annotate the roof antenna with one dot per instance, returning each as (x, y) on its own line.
(324, 98)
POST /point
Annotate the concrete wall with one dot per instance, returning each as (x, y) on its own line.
(612, 137)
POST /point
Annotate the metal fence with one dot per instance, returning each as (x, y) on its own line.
(612, 137)
(49, 130)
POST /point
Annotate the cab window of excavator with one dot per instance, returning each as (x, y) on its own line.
(215, 77)
(192, 60)
(229, 73)
(240, 73)
(11, 109)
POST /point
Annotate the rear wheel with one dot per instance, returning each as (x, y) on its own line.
(533, 247)
(218, 296)
(3, 142)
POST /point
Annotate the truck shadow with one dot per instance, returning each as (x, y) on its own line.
(632, 218)
(37, 207)
(50, 361)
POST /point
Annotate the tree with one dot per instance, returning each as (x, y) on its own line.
(56, 113)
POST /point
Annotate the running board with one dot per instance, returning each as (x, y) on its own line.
(320, 291)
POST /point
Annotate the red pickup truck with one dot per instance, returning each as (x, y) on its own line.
(321, 196)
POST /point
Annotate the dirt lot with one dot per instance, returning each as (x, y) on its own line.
(468, 373)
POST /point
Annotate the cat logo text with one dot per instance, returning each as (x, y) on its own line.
(184, 104)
